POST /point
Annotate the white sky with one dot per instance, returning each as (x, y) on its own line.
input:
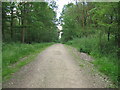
(61, 4)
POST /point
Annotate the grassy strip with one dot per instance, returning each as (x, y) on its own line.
(88, 66)
(13, 62)
(106, 63)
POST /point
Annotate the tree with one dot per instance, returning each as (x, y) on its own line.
(29, 22)
(98, 20)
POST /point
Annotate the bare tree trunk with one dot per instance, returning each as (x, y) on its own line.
(83, 16)
(23, 24)
(118, 36)
(3, 33)
(109, 33)
(23, 32)
(11, 24)
(110, 28)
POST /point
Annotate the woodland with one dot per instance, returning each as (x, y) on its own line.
(91, 27)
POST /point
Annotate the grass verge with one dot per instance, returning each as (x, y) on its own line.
(105, 58)
(16, 55)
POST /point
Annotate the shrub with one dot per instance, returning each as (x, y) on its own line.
(104, 52)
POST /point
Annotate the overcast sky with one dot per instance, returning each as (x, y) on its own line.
(61, 4)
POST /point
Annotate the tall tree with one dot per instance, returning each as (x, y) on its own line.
(29, 22)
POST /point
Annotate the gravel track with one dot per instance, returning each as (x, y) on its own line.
(55, 67)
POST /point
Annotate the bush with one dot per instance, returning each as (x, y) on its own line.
(104, 52)
(84, 44)
(13, 52)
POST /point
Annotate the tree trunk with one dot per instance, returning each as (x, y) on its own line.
(110, 28)
(83, 17)
(11, 24)
(3, 23)
(109, 33)
(23, 34)
(23, 24)
(3, 33)
(118, 36)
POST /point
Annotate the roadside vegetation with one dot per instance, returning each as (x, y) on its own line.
(27, 29)
(106, 60)
(16, 55)
(93, 28)
(90, 27)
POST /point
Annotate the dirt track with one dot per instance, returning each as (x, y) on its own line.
(56, 67)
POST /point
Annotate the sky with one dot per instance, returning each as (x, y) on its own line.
(60, 4)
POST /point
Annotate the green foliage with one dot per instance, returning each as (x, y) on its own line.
(93, 28)
(15, 51)
(108, 68)
(29, 22)
(77, 20)
(84, 44)
(106, 61)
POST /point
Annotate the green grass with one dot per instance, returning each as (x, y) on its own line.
(107, 67)
(105, 59)
(13, 54)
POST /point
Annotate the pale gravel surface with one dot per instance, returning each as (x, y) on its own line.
(56, 67)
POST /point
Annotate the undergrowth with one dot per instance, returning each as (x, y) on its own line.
(105, 55)
(13, 53)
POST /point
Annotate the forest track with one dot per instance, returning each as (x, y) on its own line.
(56, 67)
